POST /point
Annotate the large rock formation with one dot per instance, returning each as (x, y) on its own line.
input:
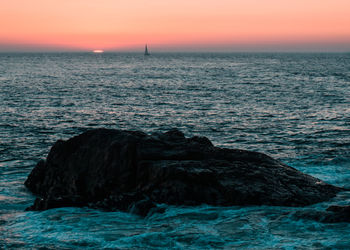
(128, 170)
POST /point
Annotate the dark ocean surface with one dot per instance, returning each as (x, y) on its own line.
(293, 107)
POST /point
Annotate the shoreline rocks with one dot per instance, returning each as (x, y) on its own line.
(132, 171)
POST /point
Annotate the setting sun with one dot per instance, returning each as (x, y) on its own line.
(175, 25)
(98, 51)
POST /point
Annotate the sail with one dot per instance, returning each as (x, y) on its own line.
(146, 51)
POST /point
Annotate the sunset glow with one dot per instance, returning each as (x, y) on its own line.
(98, 51)
(206, 24)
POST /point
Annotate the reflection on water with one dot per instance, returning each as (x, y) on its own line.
(294, 107)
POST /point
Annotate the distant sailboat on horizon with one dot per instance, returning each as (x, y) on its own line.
(146, 51)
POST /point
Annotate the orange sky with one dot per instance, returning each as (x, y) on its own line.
(175, 24)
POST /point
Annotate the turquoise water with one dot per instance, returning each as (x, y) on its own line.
(294, 107)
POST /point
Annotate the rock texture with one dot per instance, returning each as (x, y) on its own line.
(132, 171)
(333, 214)
(337, 213)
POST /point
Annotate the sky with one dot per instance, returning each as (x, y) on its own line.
(175, 25)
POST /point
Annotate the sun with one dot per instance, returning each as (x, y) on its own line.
(98, 51)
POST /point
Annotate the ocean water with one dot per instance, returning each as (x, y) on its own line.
(293, 107)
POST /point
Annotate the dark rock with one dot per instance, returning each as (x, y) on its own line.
(338, 214)
(339, 209)
(143, 207)
(129, 170)
(333, 214)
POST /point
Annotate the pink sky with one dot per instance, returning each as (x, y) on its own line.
(227, 25)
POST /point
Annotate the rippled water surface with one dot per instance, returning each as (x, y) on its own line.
(294, 107)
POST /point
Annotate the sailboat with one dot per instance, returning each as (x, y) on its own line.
(146, 51)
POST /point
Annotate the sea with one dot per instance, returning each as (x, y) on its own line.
(294, 107)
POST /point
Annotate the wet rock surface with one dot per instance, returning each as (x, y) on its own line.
(337, 213)
(133, 171)
(333, 214)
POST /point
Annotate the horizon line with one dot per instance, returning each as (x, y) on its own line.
(175, 51)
